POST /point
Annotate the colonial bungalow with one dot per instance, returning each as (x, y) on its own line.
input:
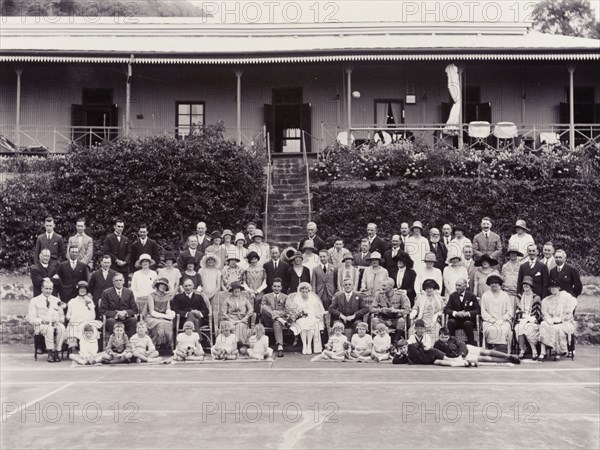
(302, 85)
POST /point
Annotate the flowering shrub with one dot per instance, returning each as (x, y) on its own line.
(415, 160)
(31, 164)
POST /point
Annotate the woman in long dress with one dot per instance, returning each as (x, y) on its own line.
(497, 313)
(297, 273)
(428, 272)
(429, 306)
(310, 323)
(160, 316)
(454, 272)
(211, 280)
(237, 310)
(240, 251)
(142, 282)
(510, 274)
(558, 321)
(254, 279)
(527, 328)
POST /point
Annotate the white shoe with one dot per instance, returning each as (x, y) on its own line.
(305, 351)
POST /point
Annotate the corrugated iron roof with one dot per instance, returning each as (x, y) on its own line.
(205, 44)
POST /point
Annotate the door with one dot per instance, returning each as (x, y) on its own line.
(286, 119)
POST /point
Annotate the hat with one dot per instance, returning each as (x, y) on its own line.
(169, 256)
(453, 257)
(429, 283)
(521, 224)
(362, 324)
(381, 326)
(240, 237)
(417, 224)
(527, 280)
(430, 257)
(309, 244)
(494, 279)
(251, 255)
(419, 323)
(298, 254)
(487, 258)
(188, 324)
(161, 281)
(226, 233)
(374, 255)
(401, 343)
(338, 324)
(82, 284)
(215, 235)
(190, 260)
(514, 249)
(258, 233)
(230, 257)
(347, 256)
(208, 256)
(554, 283)
(459, 227)
(404, 257)
(234, 285)
(144, 256)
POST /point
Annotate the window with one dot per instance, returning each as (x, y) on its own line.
(189, 114)
(388, 113)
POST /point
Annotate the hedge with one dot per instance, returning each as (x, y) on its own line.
(565, 212)
(167, 183)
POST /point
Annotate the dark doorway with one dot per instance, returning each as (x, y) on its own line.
(287, 119)
(97, 119)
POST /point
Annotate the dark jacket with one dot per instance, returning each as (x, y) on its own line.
(469, 304)
(568, 279)
(111, 303)
(117, 250)
(281, 272)
(378, 245)
(441, 253)
(97, 284)
(295, 281)
(136, 249)
(453, 348)
(408, 283)
(540, 276)
(56, 245)
(356, 305)
(69, 279)
(39, 272)
(182, 304)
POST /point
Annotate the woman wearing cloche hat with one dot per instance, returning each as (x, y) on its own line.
(429, 272)
(374, 275)
(159, 318)
(143, 279)
(521, 239)
(497, 310)
(417, 246)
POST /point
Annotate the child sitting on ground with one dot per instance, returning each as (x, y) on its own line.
(143, 349)
(188, 344)
(88, 348)
(335, 349)
(420, 350)
(381, 344)
(362, 344)
(454, 348)
(259, 344)
(225, 347)
(118, 350)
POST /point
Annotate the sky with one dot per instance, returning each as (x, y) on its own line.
(409, 11)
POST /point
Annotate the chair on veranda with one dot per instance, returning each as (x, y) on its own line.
(479, 132)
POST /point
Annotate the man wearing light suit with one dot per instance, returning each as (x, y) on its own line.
(272, 312)
(487, 242)
(324, 279)
(50, 240)
(84, 243)
(118, 305)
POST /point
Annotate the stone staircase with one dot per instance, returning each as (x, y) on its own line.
(288, 202)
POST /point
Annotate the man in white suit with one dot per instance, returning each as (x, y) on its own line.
(84, 243)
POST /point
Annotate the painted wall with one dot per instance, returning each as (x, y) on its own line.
(48, 90)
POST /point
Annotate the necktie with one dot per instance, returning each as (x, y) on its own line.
(435, 247)
(486, 236)
(119, 237)
(72, 265)
(275, 265)
(324, 269)
(49, 236)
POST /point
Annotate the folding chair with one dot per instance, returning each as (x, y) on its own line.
(460, 333)
(505, 134)
(509, 344)
(479, 132)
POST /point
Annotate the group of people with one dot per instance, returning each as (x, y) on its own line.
(235, 282)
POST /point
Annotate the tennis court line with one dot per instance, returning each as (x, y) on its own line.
(237, 368)
(33, 402)
(307, 383)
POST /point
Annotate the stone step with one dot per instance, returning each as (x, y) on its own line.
(274, 210)
(285, 238)
(287, 223)
(287, 195)
(283, 203)
(286, 229)
(290, 214)
(289, 180)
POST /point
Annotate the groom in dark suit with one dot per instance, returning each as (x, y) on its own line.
(276, 268)
(118, 305)
(537, 270)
